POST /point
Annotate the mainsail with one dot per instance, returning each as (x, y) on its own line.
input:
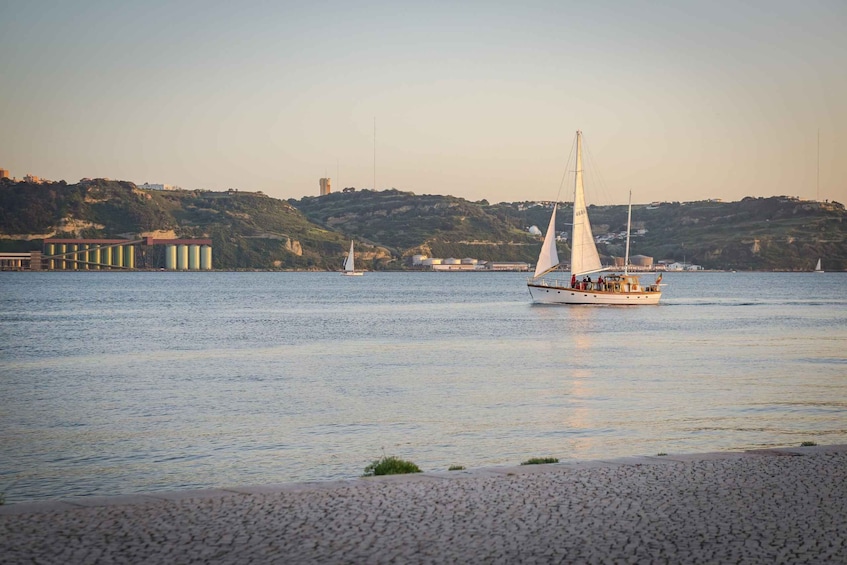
(549, 258)
(348, 263)
(584, 256)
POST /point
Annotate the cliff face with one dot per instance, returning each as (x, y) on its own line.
(253, 231)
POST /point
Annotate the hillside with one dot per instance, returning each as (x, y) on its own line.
(248, 230)
(254, 231)
(437, 226)
(776, 233)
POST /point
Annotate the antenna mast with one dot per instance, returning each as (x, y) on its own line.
(374, 153)
(818, 177)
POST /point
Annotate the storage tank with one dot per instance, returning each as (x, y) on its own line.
(206, 257)
(75, 257)
(118, 255)
(641, 260)
(84, 256)
(170, 257)
(182, 257)
(452, 261)
(94, 256)
(129, 257)
(107, 256)
(51, 250)
(194, 257)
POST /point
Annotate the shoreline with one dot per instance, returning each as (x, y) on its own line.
(759, 506)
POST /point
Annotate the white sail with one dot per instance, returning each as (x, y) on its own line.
(348, 263)
(584, 256)
(548, 259)
(818, 267)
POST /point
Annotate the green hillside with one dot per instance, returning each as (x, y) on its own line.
(252, 231)
(437, 226)
(248, 230)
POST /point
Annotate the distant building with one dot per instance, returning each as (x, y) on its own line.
(326, 186)
(507, 266)
(641, 261)
(149, 186)
(32, 178)
(4, 173)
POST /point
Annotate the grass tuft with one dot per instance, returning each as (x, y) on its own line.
(662, 454)
(540, 461)
(808, 444)
(456, 468)
(390, 466)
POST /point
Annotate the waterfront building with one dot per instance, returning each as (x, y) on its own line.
(326, 186)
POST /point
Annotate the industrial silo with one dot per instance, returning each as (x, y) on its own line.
(94, 256)
(170, 257)
(206, 257)
(106, 257)
(118, 256)
(182, 257)
(51, 250)
(194, 257)
(129, 257)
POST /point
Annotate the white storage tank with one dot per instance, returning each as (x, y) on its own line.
(170, 257)
(182, 257)
(194, 257)
(206, 257)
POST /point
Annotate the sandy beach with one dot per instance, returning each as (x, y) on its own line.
(768, 506)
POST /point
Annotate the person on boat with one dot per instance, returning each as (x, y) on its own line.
(573, 281)
(600, 282)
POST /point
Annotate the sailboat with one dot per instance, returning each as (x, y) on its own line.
(818, 267)
(617, 289)
(349, 268)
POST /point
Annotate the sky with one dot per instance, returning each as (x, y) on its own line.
(678, 101)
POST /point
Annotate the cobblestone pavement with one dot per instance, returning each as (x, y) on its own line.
(769, 506)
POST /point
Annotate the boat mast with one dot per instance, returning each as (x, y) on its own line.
(577, 177)
(628, 223)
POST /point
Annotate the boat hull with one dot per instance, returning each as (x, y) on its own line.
(548, 294)
(353, 273)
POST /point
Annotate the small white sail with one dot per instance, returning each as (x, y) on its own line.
(584, 256)
(818, 267)
(348, 263)
(548, 259)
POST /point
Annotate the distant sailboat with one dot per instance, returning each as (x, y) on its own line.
(615, 289)
(349, 265)
(818, 267)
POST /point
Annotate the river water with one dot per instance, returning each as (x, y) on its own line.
(117, 383)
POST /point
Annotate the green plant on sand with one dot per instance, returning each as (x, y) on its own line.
(540, 461)
(456, 468)
(808, 444)
(390, 466)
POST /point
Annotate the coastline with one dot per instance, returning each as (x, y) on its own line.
(767, 505)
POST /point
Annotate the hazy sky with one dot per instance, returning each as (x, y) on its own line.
(677, 100)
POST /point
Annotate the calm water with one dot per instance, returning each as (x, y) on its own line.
(114, 383)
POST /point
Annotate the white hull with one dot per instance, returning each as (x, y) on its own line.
(549, 294)
(352, 273)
